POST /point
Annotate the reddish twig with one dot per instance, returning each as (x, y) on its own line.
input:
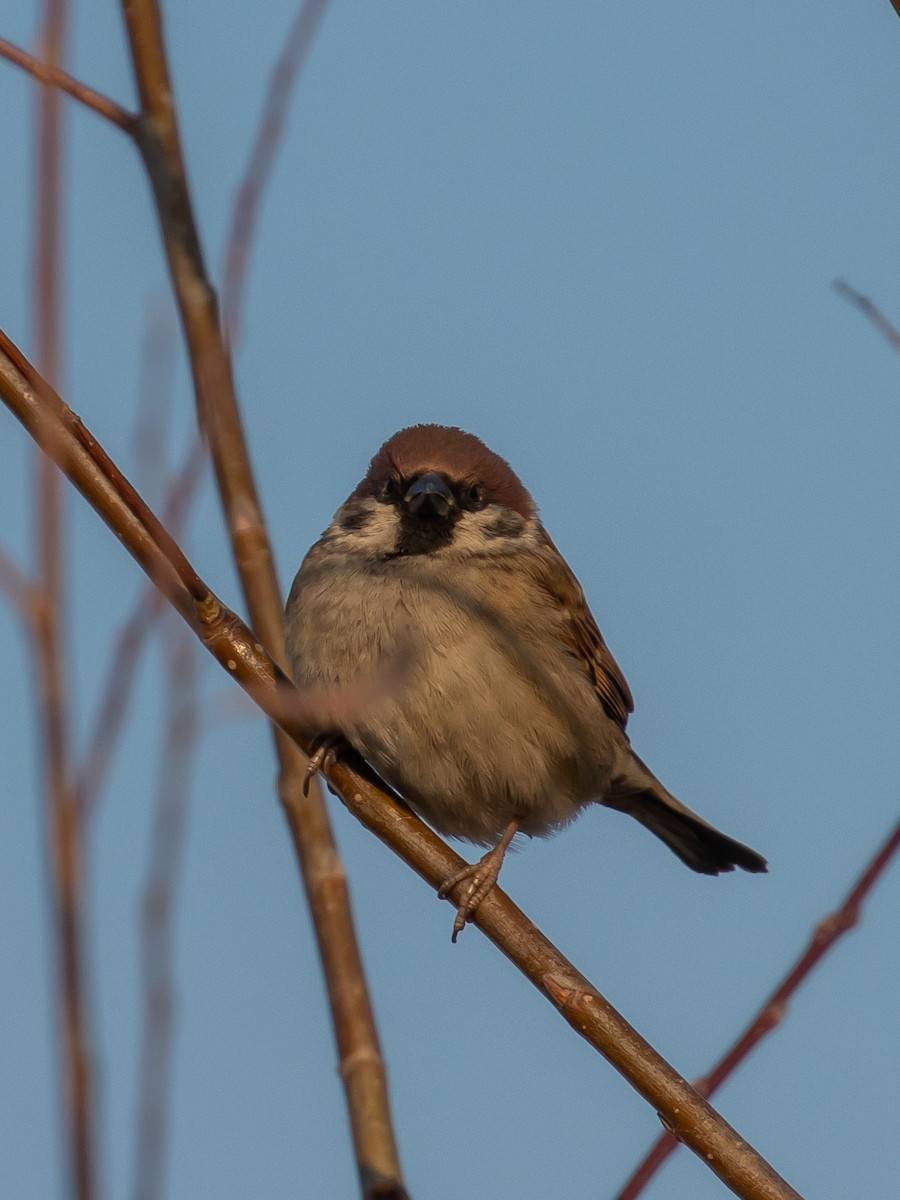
(774, 1010)
(869, 309)
(19, 590)
(131, 639)
(362, 1067)
(157, 955)
(249, 196)
(48, 73)
(241, 655)
(65, 834)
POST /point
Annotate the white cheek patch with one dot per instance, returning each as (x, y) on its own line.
(372, 529)
(493, 530)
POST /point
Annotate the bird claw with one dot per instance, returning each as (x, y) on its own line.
(482, 877)
(322, 757)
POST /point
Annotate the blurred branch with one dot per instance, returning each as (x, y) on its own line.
(157, 951)
(361, 1064)
(228, 707)
(268, 138)
(47, 72)
(868, 308)
(829, 930)
(19, 591)
(683, 1110)
(130, 641)
(64, 830)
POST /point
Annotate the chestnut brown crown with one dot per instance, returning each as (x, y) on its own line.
(460, 457)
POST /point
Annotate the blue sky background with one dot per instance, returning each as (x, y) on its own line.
(603, 238)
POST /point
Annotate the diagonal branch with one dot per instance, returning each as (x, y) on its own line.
(869, 309)
(19, 590)
(694, 1121)
(48, 73)
(132, 637)
(362, 1067)
(829, 930)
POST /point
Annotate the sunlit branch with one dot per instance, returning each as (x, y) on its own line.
(829, 930)
(693, 1120)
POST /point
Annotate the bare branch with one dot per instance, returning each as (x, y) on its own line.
(701, 1128)
(362, 1068)
(19, 590)
(869, 309)
(829, 930)
(132, 637)
(64, 831)
(269, 133)
(157, 953)
(50, 74)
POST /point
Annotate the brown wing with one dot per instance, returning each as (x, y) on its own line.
(583, 638)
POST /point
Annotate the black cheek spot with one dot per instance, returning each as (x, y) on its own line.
(354, 516)
(505, 524)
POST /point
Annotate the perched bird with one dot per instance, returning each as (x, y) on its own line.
(509, 715)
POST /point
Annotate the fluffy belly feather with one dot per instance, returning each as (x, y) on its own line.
(460, 735)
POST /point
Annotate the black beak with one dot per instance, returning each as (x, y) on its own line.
(430, 496)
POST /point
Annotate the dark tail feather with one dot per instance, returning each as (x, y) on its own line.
(694, 840)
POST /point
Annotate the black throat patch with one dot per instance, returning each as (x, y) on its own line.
(424, 534)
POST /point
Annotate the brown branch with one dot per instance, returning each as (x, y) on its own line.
(829, 930)
(132, 637)
(269, 133)
(64, 830)
(157, 953)
(48, 73)
(19, 590)
(362, 1068)
(238, 651)
(868, 308)
(56, 429)
(895, 5)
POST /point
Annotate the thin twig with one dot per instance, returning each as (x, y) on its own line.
(869, 309)
(65, 834)
(157, 953)
(269, 133)
(19, 590)
(130, 641)
(48, 73)
(237, 650)
(829, 930)
(361, 1063)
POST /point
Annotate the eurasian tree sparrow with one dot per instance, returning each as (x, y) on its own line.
(510, 713)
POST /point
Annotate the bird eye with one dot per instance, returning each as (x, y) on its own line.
(475, 495)
(389, 487)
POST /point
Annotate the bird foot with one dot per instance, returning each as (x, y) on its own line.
(327, 746)
(482, 877)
